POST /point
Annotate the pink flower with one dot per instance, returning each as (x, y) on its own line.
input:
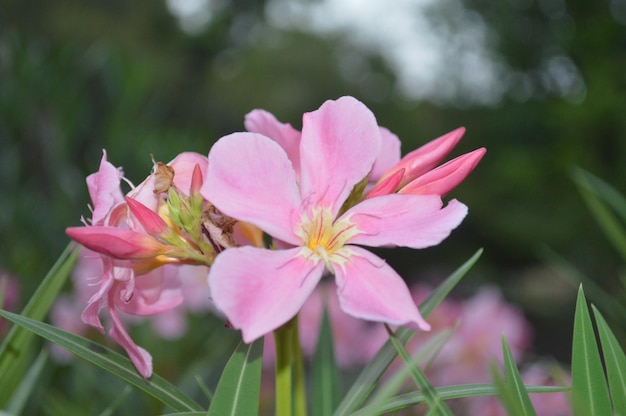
(252, 178)
(127, 250)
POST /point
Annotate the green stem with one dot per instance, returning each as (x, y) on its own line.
(284, 358)
(298, 373)
(290, 388)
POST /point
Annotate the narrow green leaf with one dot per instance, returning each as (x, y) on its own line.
(615, 361)
(613, 307)
(590, 395)
(406, 400)
(15, 349)
(427, 352)
(326, 379)
(25, 389)
(108, 360)
(613, 229)
(238, 390)
(369, 376)
(435, 404)
(520, 403)
(603, 189)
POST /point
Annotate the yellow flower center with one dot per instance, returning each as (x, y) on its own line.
(324, 236)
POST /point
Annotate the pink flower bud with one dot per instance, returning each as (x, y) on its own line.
(387, 186)
(149, 220)
(423, 159)
(446, 177)
(196, 180)
(116, 242)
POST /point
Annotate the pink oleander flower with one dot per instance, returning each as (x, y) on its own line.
(130, 240)
(297, 196)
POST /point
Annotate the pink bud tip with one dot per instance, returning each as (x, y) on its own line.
(149, 220)
(196, 180)
(426, 157)
(387, 186)
(446, 177)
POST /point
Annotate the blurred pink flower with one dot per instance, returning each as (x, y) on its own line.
(253, 179)
(483, 319)
(9, 295)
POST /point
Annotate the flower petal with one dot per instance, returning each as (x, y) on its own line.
(340, 143)
(104, 189)
(259, 290)
(415, 221)
(369, 288)
(154, 292)
(263, 122)
(142, 360)
(251, 178)
(389, 154)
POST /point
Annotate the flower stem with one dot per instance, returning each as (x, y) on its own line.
(290, 389)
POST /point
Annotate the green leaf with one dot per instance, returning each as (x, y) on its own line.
(239, 387)
(405, 400)
(513, 391)
(610, 225)
(326, 379)
(613, 307)
(108, 360)
(23, 392)
(590, 395)
(601, 188)
(435, 404)
(615, 361)
(427, 352)
(369, 376)
(15, 349)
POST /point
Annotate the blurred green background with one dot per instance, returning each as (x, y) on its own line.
(540, 83)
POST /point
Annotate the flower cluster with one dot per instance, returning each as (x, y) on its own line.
(318, 195)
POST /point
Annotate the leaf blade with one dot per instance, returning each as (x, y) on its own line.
(238, 389)
(590, 395)
(108, 360)
(615, 361)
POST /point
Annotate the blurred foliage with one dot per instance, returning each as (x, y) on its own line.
(77, 77)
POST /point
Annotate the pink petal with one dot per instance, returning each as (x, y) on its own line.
(415, 221)
(104, 189)
(340, 143)
(389, 154)
(251, 178)
(155, 292)
(446, 177)
(141, 359)
(259, 290)
(369, 289)
(262, 122)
